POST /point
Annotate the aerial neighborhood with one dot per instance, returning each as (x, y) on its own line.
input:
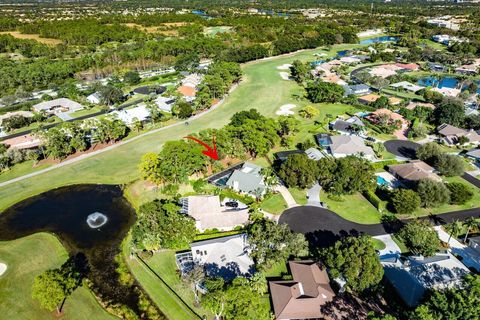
(242, 160)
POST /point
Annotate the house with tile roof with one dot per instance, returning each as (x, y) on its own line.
(451, 134)
(413, 171)
(304, 295)
(342, 146)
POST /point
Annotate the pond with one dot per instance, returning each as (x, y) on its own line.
(91, 220)
(381, 39)
(442, 82)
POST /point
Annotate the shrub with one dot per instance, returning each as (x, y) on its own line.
(459, 193)
(405, 201)
(420, 238)
(432, 193)
(375, 200)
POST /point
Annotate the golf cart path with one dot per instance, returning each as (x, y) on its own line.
(116, 145)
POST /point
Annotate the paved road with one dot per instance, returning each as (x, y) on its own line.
(88, 155)
(323, 226)
(471, 179)
(402, 148)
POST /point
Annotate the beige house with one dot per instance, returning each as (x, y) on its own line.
(413, 171)
(452, 134)
(210, 213)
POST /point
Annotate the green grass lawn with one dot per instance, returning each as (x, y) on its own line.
(26, 258)
(163, 294)
(274, 204)
(378, 244)
(84, 112)
(299, 195)
(400, 244)
(354, 208)
(276, 270)
(262, 88)
(403, 94)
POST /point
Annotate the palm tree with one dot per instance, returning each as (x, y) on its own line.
(470, 223)
(454, 228)
(194, 279)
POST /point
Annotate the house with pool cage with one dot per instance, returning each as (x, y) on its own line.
(226, 257)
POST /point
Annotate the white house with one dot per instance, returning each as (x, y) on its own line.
(343, 145)
(94, 98)
(58, 106)
(130, 116)
(226, 257)
(165, 103)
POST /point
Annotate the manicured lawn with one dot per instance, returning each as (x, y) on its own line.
(354, 208)
(403, 94)
(378, 244)
(400, 244)
(26, 258)
(162, 264)
(262, 88)
(274, 204)
(299, 195)
(84, 112)
(276, 270)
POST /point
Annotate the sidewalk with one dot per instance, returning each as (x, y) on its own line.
(287, 196)
(470, 257)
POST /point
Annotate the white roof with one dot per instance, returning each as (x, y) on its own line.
(165, 103)
(382, 72)
(129, 116)
(192, 80)
(223, 254)
(314, 154)
(450, 92)
(350, 60)
(407, 86)
(209, 213)
(58, 103)
(349, 145)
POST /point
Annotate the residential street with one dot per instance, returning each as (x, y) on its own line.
(326, 226)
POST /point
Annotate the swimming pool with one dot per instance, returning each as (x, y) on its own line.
(381, 181)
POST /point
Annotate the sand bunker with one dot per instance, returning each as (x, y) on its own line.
(285, 110)
(3, 268)
(285, 66)
(285, 75)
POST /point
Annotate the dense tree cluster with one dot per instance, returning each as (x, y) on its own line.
(458, 303)
(271, 243)
(447, 164)
(160, 225)
(420, 238)
(354, 259)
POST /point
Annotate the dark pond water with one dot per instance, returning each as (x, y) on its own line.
(64, 212)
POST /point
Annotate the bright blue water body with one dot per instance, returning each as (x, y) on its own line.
(445, 82)
(381, 181)
(379, 40)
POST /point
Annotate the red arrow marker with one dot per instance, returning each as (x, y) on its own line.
(209, 152)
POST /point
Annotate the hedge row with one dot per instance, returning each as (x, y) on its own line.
(381, 164)
(375, 200)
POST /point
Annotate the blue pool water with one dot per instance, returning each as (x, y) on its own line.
(379, 40)
(381, 181)
(363, 114)
(316, 63)
(342, 53)
(445, 82)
